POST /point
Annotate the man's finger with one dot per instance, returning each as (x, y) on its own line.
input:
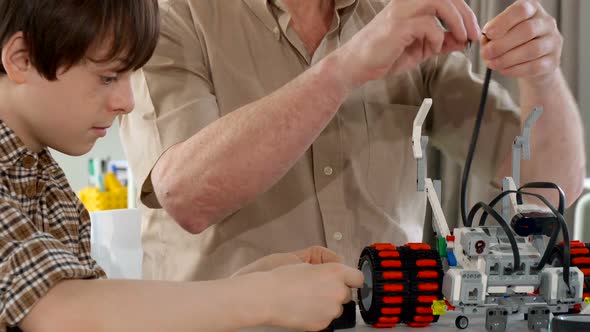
(530, 51)
(469, 19)
(516, 13)
(446, 11)
(450, 44)
(519, 35)
(539, 66)
(428, 32)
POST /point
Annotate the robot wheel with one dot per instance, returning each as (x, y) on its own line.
(401, 283)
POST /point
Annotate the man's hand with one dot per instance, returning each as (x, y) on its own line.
(311, 255)
(403, 35)
(523, 42)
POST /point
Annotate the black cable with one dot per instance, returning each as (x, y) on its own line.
(560, 218)
(519, 193)
(554, 234)
(473, 144)
(538, 185)
(545, 185)
(552, 240)
(504, 225)
(551, 244)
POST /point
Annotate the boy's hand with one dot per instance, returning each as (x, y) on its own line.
(311, 255)
(308, 297)
(317, 255)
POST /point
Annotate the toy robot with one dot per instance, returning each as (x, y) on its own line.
(478, 269)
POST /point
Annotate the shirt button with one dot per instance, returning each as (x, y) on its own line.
(328, 170)
(276, 31)
(44, 159)
(337, 236)
(28, 162)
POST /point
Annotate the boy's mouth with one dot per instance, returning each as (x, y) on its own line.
(102, 127)
(100, 131)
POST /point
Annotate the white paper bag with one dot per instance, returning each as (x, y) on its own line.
(116, 242)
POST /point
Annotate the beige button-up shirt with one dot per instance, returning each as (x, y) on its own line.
(355, 185)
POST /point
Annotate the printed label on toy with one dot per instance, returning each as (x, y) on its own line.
(471, 276)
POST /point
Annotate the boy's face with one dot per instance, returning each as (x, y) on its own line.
(71, 113)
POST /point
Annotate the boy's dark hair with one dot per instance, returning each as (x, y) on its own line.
(59, 33)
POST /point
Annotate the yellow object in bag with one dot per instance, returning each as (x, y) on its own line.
(114, 197)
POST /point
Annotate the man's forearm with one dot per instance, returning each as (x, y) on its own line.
(120, 305)
(557, 140)
(227, 164)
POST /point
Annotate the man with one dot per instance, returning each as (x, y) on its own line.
(266, 125)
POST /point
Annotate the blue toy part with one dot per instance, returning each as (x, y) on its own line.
(451, 258)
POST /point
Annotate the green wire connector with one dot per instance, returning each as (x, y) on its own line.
(441, 245)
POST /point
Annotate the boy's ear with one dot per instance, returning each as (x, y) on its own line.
(15, 58)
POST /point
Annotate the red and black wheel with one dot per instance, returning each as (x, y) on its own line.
(580, 258)
(400, 284)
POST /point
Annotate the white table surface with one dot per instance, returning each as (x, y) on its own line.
(446, 323)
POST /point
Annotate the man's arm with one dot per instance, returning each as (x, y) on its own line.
(524, 43)
(242, 154)
(231, 161)
(557, 140)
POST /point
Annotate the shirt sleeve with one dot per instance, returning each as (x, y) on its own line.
(174, 96)
(31, 263)
(456, 93)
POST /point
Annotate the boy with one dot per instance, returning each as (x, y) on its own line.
(64, 78)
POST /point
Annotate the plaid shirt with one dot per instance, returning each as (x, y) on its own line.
(44, 229)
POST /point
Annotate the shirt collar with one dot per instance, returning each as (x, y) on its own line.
(339, 4)
(13, 150)
(262, 10)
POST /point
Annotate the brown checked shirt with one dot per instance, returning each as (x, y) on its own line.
(44, 229)
(355, 185)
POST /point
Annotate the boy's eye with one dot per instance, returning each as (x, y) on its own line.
(108, 80)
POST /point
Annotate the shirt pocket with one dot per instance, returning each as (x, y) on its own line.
(391, 167)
